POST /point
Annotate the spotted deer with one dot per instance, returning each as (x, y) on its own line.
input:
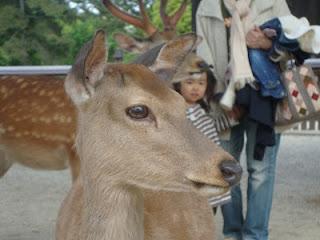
(132, 134)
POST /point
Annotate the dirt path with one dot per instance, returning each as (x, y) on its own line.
(29, 200)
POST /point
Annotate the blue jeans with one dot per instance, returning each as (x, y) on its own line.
(267, 73)
(261, 176)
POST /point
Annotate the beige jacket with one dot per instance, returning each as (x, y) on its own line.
(213, 49)
(210, 26)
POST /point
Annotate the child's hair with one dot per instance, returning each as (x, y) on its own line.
(209, 93)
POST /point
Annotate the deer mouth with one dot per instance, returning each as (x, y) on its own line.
(208, 190)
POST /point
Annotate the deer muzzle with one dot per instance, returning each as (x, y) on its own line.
(231, 171)
(230, 174)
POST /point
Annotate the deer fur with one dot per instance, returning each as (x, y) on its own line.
(37, 124)
(38, 120)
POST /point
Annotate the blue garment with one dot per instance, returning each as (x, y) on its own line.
(254, 226)
(281, 43)
(262, 110)
(267, 73)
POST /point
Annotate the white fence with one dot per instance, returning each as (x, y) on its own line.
(311, 127)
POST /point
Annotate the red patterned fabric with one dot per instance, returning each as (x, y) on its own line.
(303, 100)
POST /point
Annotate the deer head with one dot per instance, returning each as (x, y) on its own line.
(154, 35)
(133, 134)
(133, 128)
(156, 38)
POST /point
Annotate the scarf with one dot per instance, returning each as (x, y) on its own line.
(239, 65)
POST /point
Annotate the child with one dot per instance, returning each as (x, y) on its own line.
(198, 91)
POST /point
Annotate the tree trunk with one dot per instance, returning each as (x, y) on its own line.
(21, 3)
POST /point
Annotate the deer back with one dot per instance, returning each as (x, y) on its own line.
(37, 121)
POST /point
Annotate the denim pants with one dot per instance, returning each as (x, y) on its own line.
(261, 174)
(267, 73)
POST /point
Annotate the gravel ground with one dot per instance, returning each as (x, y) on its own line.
(296, 205)
(29, 200)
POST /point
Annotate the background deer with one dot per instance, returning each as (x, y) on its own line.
(154, 35)
(126, 116)
(37, 124)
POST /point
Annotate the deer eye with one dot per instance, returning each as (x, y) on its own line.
(138, 112)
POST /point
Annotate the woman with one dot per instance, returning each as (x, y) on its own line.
(211, 17)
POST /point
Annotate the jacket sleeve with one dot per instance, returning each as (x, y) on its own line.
(213, 47)
(204, 47)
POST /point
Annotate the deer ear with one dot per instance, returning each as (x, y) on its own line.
(130, 44)
(172, 55)
(88, 69)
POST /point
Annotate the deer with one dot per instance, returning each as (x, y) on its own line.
(126, 115)
(179, 215)
(47, 125)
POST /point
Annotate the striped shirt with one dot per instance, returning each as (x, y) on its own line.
(202, 121)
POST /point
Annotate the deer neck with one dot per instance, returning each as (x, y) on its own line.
(116, 215)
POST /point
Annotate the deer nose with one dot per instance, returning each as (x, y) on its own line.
(231, 171)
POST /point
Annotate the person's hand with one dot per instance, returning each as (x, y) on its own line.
(236, 113)
(227, 22)
(255, 38)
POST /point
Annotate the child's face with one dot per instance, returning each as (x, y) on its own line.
(194, 89)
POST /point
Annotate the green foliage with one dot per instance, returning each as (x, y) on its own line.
(46, 32)
(11, 19)
(30, 33)
(50, 32)
(48, 8)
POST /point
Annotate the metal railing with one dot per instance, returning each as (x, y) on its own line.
(310, 127)
(307, 127)
(35, 70)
